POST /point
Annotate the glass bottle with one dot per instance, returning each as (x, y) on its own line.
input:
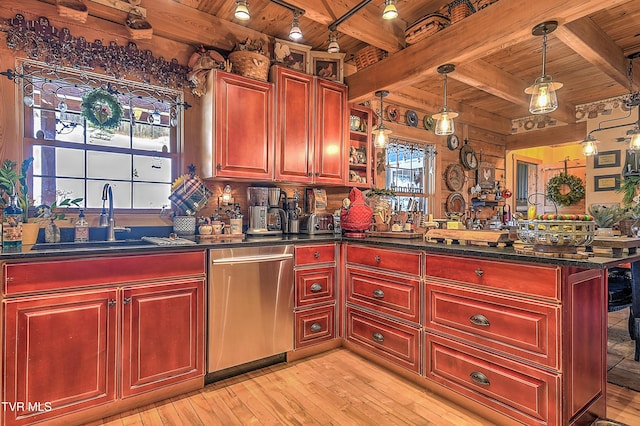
(81, 229)
(52, 232)
(12, 227)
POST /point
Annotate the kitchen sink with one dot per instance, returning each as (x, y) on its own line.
(91, 244)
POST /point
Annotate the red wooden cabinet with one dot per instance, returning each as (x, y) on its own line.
(151, 357)
(361, 170)
(60, 354)
(238, 116)
(311, 129)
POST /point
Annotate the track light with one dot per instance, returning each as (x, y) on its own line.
(295, 33)
(333, 47)
(444, 118)
(242, 11)
(390, 11)
(543, 90)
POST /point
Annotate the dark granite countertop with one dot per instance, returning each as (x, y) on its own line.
(496, 253)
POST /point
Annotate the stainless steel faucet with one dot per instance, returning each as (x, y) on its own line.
(106, 219)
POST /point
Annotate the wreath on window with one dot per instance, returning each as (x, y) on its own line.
(102, 109)
(576, 189)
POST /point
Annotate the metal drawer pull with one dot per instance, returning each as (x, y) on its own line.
(479, 319)
(316, 255)
(378, 293)
(377, 259)
(315, 287)
(316, 327)
(378, 337)
(112, 302)
(480, 378)
(126, 300)
(479, 272)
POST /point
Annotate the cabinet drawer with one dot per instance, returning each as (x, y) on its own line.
(309, 255)
(385, 293)
(524, 393)
(524, 329)
(528, 279)
(392, 340)
(316, 285)
(392, 260)
(115, 270)
(315, 326)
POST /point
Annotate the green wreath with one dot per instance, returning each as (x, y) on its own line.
(576, 189)
(102, 109)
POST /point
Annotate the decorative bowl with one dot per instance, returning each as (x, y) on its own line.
(569, 233)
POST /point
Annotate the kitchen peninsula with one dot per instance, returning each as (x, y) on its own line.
(473, 334)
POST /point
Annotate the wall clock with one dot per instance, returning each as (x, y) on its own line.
(468, 156)
(453, 142)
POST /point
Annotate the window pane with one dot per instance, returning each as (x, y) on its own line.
(121, 194)
(151, 138)
(70, 127)
(117, 138)
(150, 196)
(69, 162)
(46, 190)
(151, 169)
(108, 165)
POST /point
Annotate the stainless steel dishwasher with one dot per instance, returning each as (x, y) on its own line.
(251, 293)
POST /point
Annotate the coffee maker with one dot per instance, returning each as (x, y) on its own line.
(276, 216)
(263, 220)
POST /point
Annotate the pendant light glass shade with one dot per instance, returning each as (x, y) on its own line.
(381, 132)
(295, 33)
(242, 11)
(444, 118)
(333, 47)
(589, 146)
(543, 91)
(634, 139)
(390, 11)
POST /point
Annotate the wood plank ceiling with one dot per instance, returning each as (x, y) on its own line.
(495, 54)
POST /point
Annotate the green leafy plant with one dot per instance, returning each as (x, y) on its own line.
(14, 182)
(628, 189)
(53, 211)
(606, 217)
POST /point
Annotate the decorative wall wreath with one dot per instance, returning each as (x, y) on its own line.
(102, 109)
(575, 185)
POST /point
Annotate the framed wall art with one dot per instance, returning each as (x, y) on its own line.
(327, 65)
(486, 175)
(292, 55)
(606, 182)
(606, 159)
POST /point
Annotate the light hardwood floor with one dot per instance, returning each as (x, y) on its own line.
(334, 388)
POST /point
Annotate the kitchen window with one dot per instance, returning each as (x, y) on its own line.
(410, 174)
(75, 158)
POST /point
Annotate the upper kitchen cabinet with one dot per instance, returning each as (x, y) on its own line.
(361, 172)
(311, 116)
(238, 127)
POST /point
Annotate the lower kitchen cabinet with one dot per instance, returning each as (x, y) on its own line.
(96, 346)
(315, 294)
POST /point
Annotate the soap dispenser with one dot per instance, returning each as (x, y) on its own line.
(81, 229)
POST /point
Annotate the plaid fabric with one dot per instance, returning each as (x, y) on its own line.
(191, 195)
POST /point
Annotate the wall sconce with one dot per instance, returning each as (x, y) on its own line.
(333, 47)
(242, 11)
(226, 197)
(444, 118)
(295, 33)
(390, 11)
(543, 91)
(381, 132)
(589, 146)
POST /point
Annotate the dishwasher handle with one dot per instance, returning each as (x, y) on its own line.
(252, 259)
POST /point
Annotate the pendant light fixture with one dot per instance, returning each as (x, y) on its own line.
(333, 47)
(242, 11)
(295, 33)
(589, 146)
(543, 91)
(390, 11)
(381, 132)
(444, 118)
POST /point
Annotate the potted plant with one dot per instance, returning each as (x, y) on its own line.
(14, 182)
(605, 217)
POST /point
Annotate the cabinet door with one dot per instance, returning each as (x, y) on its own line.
(331, 132)
(60, 354)
(361, 172)
(243, 127)
(162, 335)
(294, 124)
